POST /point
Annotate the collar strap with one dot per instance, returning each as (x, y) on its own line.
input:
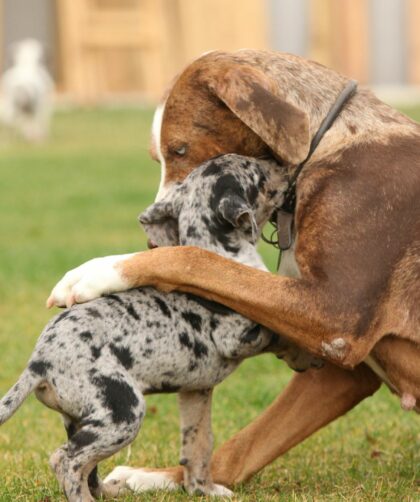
(285, 214)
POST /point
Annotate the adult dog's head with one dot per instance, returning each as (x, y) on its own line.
(231, 103)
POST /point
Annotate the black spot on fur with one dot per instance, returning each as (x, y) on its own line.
(40, 367)
(96, 352)
(212, 169)
(132, 312)
(200, 350)
(94, 313)
(214, 323)
(192, 366)
(193, 319)
(192, 232)
(8, 402)
(61, 316)
(83, 438)
(86, 336)
(118, 397)
(252, 194)
(216, 308)
(251, 335)
(91, 422)
(226, 185)
(163, 307)
(184, 340)
(123, 354)
(50, 338)
(115, 298)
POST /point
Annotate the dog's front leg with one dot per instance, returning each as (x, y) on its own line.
(197, 443)
(300, 309)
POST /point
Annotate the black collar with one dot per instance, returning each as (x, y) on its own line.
(284, 216)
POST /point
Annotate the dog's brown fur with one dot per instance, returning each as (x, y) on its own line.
(358, 236)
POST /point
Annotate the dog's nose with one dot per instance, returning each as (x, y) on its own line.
(151, 244)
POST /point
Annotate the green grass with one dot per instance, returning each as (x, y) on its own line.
(79, 197)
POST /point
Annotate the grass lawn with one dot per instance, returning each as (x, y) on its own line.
(78, 197)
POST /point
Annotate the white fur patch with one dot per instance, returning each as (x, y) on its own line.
(156, 135)
(141, 480)
(88, 281)
(335, 349)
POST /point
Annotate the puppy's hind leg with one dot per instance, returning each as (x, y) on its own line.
(111, 425)
(197, 443)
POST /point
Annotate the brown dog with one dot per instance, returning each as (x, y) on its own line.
(352, 289)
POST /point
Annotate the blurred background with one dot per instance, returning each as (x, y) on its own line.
(102, 50)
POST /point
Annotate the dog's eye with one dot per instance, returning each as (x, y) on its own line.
(182, 150)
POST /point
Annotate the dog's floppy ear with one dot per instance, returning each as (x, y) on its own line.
(166, 208)
(235, 210)
(256, 100)
(158, 212)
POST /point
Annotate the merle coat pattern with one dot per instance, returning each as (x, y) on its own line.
(94, 362)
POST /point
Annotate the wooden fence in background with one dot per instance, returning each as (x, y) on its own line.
(108, 49)
(112, 47)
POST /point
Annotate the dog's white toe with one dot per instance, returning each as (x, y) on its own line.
(121, 473)
(220, 491)
(141, 480)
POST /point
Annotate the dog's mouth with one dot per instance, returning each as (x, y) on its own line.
(151, 244)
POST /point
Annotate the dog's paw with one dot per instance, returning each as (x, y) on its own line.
(220, 491)
(88, 281)
(141, 480)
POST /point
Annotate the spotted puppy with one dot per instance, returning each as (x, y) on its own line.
(95, 362)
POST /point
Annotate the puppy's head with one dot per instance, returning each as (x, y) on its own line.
(221, 206)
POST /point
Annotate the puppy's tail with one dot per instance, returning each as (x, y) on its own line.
(26, 384)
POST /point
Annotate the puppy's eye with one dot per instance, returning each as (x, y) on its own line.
(182, 150)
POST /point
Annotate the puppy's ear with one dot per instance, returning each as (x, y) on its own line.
(157, 213)
(235, 210)
(256, 100)
(168, 207)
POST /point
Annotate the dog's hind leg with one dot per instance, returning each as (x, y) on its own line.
(94, 482)
(113, 424)
(197, 443)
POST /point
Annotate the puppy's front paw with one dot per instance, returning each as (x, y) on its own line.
(89, 281)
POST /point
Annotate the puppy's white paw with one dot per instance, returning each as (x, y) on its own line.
(140, 480)
(89, 281)
(220, 491)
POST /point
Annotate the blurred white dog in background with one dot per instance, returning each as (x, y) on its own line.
(26, 90)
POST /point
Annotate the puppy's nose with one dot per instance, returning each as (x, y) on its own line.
(151, 244)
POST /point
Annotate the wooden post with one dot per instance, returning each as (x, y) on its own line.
(412, 20)
(351, 43)
(321, 38)
(339, 35)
